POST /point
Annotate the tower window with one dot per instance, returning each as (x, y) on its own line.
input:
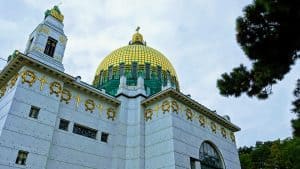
(122, 65)
(63, 124)
(84, 131)
(50, 46)
(134, 70)
(147, 71)
(104, 137)
(110, 72)
(34, 112)
(21, 158)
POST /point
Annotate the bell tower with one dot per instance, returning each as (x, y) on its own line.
(47, 42)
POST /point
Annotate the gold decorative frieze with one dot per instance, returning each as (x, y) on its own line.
(55, 88)
(66, 96)
(28, 77)
(89, 105)
(148, 114)
(111, 114)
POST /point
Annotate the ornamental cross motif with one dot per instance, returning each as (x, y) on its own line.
(43, 81)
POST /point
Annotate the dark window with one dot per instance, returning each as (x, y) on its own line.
(63, 124)
(168, 75)
(110, 72)
(147, 71)
(134, 70)
(84, 131)
(159, 73)
(50, 46)
(34, 112)
(209, 157)
(104, 137)
(21, 158)
(122, 65)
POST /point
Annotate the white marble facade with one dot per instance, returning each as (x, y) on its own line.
(143, 132)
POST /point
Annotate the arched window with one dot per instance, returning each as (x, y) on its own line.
(209, 157)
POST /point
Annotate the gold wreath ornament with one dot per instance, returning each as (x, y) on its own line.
(232, 137)
(111, 114)
(148, 114)
(174, 106)
(28, 77)
(223, 132)
(89, 105)
(55, 88)
(213, 127)
(66, 96)
(202, 120)
(189, 114)
(165, 107)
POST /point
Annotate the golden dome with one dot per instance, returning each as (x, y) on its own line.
(140, 54)
(133, 60)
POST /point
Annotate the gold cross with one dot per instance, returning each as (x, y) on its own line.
(100, 108)
(43, 81)
(78, 99)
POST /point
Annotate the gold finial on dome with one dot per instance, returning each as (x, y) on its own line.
(137, 38)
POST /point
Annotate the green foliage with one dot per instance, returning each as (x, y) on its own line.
(269, 35)
(278, 154)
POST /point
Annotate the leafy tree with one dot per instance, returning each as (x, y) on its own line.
(268, 33)
(278, 154)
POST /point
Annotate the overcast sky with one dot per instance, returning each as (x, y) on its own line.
(197, 36)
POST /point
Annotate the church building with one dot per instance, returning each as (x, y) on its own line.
(132, 116)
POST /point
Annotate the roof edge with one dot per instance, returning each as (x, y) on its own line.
(193, 104)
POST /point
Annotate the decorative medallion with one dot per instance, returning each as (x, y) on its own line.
(213, 126)
(28, 77)
(223, 132)
(174, 106)
(189, 114)
(232, 137)
(62, 40)
(165, 107)
(13, 81)
(202, 120)
(148, 114)
(55, 88)
(44, 30)
(43, 81)
(66, 96)
(89, 105)
(111, 114)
